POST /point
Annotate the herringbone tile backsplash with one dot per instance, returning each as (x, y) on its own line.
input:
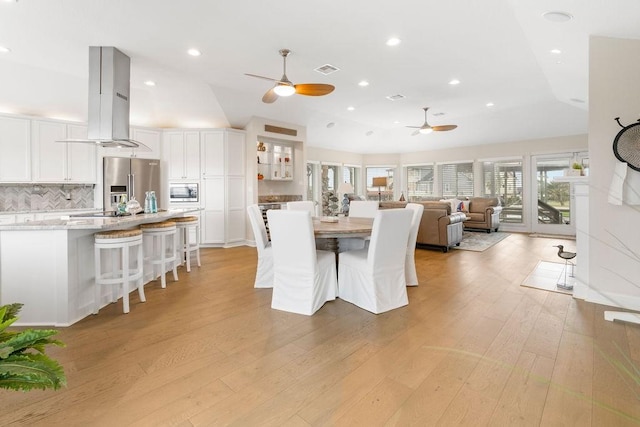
(45, 197)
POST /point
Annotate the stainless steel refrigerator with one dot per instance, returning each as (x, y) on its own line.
(129, 177)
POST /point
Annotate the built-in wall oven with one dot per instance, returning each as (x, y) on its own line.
(183, 192)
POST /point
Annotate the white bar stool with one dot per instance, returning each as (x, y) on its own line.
(185, 225)
(120, 245)
(161, 238)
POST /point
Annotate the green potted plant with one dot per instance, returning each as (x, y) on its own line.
(24, 365)
(577, 167)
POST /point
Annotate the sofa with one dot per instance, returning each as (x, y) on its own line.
(439, 227)
(483, 213)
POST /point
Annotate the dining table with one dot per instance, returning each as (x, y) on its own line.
(340, 227)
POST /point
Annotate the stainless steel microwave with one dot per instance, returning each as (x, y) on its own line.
(181, 192)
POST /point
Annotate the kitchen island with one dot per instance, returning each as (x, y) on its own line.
(49, 265)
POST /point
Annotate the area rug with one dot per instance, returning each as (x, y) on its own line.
(547, 275)
(479, 241)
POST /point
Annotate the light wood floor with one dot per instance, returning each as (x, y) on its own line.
(471, 348)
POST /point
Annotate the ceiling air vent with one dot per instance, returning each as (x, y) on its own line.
(327, 69)
(280, 130)
(395, 97)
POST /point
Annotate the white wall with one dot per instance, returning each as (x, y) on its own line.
(614, 245)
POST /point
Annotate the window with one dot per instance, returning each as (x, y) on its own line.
(380, 192)
(419, 182)
(503, 179)
(456, 179)
(351, 174)
(332, 176)
(312, 173)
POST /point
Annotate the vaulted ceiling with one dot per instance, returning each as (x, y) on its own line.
(499, 50)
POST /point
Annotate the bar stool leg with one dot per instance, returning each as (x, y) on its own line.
(125, 279)
(98, 289)
(186, 248)
(174, 251)
(198, 243)
(140, 282)
(163, 255)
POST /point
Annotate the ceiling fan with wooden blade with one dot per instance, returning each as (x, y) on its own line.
(284, 87)
(427, 128)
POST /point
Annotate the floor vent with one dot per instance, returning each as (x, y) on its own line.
(327, 69)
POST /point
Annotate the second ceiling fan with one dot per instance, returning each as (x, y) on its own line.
(426, 128)
(284, 87)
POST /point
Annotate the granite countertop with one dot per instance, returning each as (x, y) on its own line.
(50, 211)
(96, 223)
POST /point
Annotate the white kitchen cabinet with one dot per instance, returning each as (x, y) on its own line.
(15, 149)
(223, 219)
(149, 137)
(54, 161)
(182, 152)
(212, 150)
(212, 224)
(81, 157)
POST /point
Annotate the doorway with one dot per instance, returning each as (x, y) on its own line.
(551, 201)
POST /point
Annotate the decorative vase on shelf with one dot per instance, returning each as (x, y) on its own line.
(402, 196)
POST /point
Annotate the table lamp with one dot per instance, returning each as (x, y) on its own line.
(345, 188)
(379, 182)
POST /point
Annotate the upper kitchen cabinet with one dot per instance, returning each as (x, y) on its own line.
(81, 158)
(15, 160)
(149, 137)
(182, 151)
(53, 161)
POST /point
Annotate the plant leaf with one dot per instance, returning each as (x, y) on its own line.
(28, 371)
(29, 338)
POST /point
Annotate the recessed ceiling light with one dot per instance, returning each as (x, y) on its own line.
(150, 83)
(556, 51)
(396, 122)
(350, 108)
(489, 104)
(4, 49)
(369, 133)
(330, 125)
(577, 100)
(194, 52)
(454, 82)
(363, 83)
(393, 41)
(557, 16)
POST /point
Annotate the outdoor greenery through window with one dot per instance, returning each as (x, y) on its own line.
(420, 182)
(503, 179)
(384, 192)
(456, 180)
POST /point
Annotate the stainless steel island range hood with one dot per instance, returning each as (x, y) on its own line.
(109, 84)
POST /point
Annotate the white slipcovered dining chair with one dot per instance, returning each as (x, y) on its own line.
(410, 273)
(363, 208)
(264, 271)
(374, 278)
(304, 205)
(359, 209)
(304, 278)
